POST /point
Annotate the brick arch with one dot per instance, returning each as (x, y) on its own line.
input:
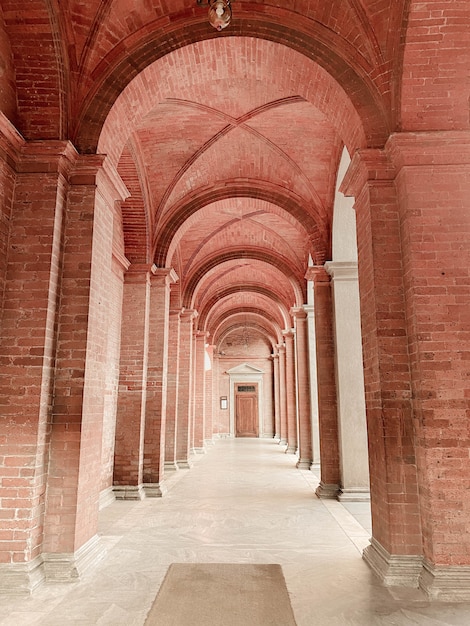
(319, 232)
(136, 216)
(339, 58)
(208, 307)
(43, 97)
(191, 285)
(230, 324)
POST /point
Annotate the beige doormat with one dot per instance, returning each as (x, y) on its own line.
(222, 594)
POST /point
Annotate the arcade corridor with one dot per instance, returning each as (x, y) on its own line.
(243, 502)
(263, 231)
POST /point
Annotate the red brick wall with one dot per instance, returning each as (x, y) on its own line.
(434, 190)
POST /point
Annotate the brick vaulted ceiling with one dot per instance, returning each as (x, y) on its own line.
(228, 143)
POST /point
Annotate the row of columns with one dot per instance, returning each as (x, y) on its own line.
(322, 352)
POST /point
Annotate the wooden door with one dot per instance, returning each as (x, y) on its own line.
(246, 407)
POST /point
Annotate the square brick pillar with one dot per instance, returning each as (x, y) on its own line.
(291, 400)
(185, 389)
(327, 406)
(433, 187)
(282, 394)
(209, 398)
(303, 389)
(131, 405)
(71, 517)
(276, 396)
(396, 545)
(199, 392)
(172, 386)
(32, 262)
(157, 367)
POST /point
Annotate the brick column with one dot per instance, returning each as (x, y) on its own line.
(27, 349)
(171, 427)
(157, 369)
(312, 365)
(291, 404)
(185, 357)
(72, 505)
(303, 389)
(327, 408)
(199, 392)
(433, 186)
(396, 547)
(209, 399)
(282, 394)
(277, 415)
(132, 395)
(354, 458)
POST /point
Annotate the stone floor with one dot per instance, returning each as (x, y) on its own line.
(243, 502)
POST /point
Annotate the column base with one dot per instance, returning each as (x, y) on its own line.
(154, 490)
(170, 466)
(354, 495)
(21, 578)
(106, 498)
(185, 464)
(200, 450)
(303, 464)
(209, 442)
(446, 584)
(128, 492)
(70, 567)
(393, 570)
(327, 492)
(283, 442)
(291, 450)
(315, 468)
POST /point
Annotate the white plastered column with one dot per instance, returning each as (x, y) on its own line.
(352, 425)
(352, 428)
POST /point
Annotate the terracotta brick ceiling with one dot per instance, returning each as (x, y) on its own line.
(228, 143)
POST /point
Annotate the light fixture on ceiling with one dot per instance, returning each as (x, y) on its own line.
(220, 13)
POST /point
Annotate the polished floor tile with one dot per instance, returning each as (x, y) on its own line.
(243, 502)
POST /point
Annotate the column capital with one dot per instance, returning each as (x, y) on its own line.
(289, 333)
(317, 274)
(298, 313)
(342, 270)
(47, 157)
(450, 147)
(166, 273)
(371, 165)
(139, 273)
(281, 348)
(188, 314)
(96, 169)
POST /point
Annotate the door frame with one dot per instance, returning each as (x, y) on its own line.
(241, 394)
(241, 375)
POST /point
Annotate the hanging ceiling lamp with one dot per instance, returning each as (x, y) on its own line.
(220, 13)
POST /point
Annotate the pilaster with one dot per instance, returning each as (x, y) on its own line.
(396, 517)
(282, 394)
(185, 380)
(199, 392)
(354, 461)
(327, 403)
(277, 415)
(161, 280)
(171, 427)
(303, 389)
(74, 479)
(291, 400)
